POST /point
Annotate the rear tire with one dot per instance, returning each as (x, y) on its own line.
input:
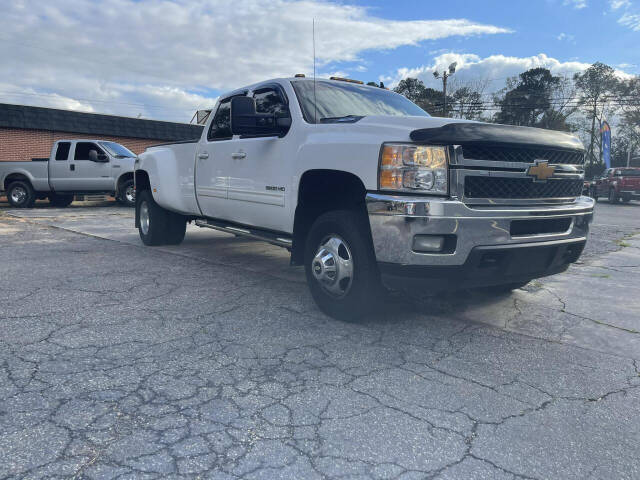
(127, 194)
(340, 265)
(20, 194)
(60, 201)
(613, 196)
(158, 226)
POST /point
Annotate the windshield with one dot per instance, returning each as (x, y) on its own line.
(117, 150)
(630, 172)
(336, 100)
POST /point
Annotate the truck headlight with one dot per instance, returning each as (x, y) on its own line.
(414, 168)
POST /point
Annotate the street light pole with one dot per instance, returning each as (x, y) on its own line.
(445, 75)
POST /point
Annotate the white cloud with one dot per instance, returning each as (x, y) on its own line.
(170, 54)
(577, 4)
(630, 13)
(630, 20)
(566, 37)
(494, 69)
(617, 4)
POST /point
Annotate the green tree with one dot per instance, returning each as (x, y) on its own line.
(429, 99)
(527, 98)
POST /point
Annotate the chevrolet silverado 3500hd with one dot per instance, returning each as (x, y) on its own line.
(367, 190)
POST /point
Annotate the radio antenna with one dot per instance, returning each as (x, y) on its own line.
(315, 102)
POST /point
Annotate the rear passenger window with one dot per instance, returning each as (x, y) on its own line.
(63, 151)
(83, 148)
(269, 100)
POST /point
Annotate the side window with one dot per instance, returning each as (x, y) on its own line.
(220, 128)
(83, 148)
(62, 153)
(269, 100)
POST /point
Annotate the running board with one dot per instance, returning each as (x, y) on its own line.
(280, 240)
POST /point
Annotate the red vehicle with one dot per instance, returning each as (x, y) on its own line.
(618, 184)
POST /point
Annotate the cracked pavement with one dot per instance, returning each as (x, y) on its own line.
(210, 360)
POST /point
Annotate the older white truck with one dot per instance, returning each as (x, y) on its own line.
(367, 190)
(74, 167)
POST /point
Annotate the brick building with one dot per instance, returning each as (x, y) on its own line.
(29, 132)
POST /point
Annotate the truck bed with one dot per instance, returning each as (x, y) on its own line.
(37, 171)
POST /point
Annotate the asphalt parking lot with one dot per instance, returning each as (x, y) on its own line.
(210, 360)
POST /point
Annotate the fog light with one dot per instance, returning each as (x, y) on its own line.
(428, 243)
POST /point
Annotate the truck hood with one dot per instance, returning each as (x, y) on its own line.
(448, 131)
(406, 124)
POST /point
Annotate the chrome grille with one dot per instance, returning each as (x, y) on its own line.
(497, 174)
(522, 155)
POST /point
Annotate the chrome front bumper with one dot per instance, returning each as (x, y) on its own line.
(395, 220)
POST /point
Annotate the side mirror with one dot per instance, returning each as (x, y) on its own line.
(94, 156)
(245, 120)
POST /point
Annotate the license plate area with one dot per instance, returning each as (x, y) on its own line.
(540, 226)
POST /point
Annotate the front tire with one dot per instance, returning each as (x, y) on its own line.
(340, 265)
(60, 201)
(20, 194)
(127, 194)
(156, 225)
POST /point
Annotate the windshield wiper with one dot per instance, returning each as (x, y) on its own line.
(345, 119)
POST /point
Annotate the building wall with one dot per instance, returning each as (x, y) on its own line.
(18, 145)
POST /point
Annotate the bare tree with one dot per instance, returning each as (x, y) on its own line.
(597, 86)
(467, 98)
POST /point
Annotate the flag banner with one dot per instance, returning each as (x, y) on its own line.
(605, 129)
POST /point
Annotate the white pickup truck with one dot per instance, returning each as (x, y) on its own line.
(74, 167)
(367, 190)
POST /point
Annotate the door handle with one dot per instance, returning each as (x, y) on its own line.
(239, 155)
(203, 155)
(72, 167)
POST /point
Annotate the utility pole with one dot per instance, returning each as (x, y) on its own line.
(445, 76)
(629, 157)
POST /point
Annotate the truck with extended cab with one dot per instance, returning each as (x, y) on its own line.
(74, 167)
(368, 191)
(617, 184)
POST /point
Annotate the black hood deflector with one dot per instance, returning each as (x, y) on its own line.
(496, 135)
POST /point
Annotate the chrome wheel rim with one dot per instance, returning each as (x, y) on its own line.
(130, 194)
(332, 266)
(18, 195)
(144, 218)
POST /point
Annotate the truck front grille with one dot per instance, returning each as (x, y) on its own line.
(522, 155)
(520, 188)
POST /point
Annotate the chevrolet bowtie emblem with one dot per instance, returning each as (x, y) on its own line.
(541, 171)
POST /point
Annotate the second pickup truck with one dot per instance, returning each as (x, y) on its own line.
(367, 190)
(74, 167)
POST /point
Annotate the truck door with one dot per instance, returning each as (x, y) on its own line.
(60, 172)
(91, 176)
(213, 162)
(259, 177)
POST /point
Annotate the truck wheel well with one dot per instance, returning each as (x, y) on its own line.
(142, 181)
(15, 177)
(320, 191)
(123, 178)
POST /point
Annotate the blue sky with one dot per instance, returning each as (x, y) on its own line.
(164, 59)
(583, 32)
